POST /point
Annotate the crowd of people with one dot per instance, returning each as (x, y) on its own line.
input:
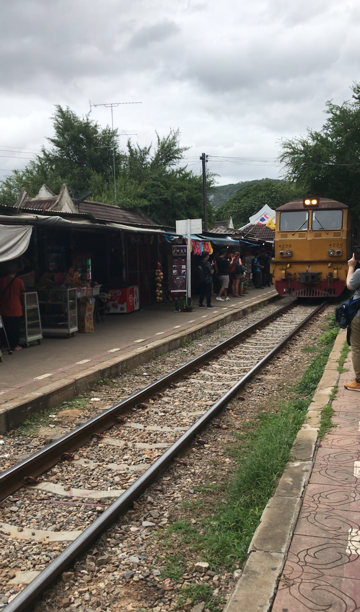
(227, 273)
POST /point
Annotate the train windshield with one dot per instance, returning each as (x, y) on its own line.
(327, 220)
(295, 221)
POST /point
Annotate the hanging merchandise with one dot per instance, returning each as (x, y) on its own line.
(159, 280)
(207, 247)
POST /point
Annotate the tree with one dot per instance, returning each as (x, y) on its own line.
(81, 152)
(152, 179)
(250, 199)
(80, 148)
(327, 162)
(81, 155)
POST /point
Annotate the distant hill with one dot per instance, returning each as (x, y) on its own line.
(251, 197)
(223, 193)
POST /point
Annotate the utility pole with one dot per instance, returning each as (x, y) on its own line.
(113, 105)
(204, 159)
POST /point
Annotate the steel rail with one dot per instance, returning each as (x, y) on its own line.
(28, 596)
(41, 461)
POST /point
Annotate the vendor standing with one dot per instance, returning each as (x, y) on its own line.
(11, 289)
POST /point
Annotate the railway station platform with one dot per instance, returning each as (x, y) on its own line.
(305, 554)
(322, 569)
(43, 376)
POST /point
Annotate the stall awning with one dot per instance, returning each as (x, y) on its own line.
(223, 241)
(14, 241)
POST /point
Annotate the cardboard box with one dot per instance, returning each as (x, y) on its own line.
(86, 315)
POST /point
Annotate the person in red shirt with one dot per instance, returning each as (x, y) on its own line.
(11, 289)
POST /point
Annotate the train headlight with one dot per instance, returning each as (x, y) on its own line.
(281, 253)
(331, 252)
(288, 253)
(311, 202)
(338, 252)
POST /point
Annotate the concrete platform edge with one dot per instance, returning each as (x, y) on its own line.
(13, 413)
(257, 585)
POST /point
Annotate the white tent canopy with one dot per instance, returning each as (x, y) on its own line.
(264, 214)
(14, 241)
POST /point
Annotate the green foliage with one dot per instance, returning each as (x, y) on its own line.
(81, 155)
(326, 162)
(203, 592)
(327, 413)
(152, 180)
(248, 200)
(344, 353)
(173, 567)
(43, 419)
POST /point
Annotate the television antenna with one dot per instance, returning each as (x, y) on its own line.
(113, 105)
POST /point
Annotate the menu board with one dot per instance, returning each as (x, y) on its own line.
(178, 278)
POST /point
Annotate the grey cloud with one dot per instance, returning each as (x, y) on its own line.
(235, 77)
(157, 33)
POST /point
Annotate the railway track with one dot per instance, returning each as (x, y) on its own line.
(57, 515)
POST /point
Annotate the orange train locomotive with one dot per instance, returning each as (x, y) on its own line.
(313, 242)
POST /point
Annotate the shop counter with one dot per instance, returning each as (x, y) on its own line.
(122, 301)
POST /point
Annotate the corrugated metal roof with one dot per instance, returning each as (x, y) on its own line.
(218, 229)
(115, 214)
(38, 204)
(258, 232)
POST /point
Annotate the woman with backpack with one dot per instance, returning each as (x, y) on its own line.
(11, 289)
(353, 283)
(238, 272)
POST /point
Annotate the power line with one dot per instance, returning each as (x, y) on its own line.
(15, 157)
(16, 149)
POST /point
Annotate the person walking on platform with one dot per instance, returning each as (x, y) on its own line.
(256, 272)
(222, 264)
(206, 281)
(11, 289)
(238, 267)
(353, 282)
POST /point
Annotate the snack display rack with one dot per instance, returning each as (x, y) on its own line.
(30, 330)
(58, 309)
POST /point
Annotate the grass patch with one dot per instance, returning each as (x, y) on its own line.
(325, 422)
(344, 353)
(310, 349)
(201, 592)
(44, 418)
(261, 453)
(173, 566)
(187, 341)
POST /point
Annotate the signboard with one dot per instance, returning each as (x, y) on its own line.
(179, 268)
(186, 227)
(183, 229)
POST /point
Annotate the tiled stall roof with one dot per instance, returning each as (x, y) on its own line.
(115, 214)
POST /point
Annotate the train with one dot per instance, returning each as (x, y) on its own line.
(314, 239)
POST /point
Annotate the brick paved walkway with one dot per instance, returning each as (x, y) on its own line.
(322, 571)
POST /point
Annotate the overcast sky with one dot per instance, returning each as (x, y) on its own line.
(236, 77)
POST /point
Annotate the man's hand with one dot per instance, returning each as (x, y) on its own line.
(352, 261)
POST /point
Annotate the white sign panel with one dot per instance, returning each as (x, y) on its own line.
(195, 226)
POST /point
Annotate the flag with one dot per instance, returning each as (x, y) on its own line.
(263, 219)
(271, 223)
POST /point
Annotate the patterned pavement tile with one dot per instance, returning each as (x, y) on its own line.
(333, 474)
(340, 441)
(319, 576)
